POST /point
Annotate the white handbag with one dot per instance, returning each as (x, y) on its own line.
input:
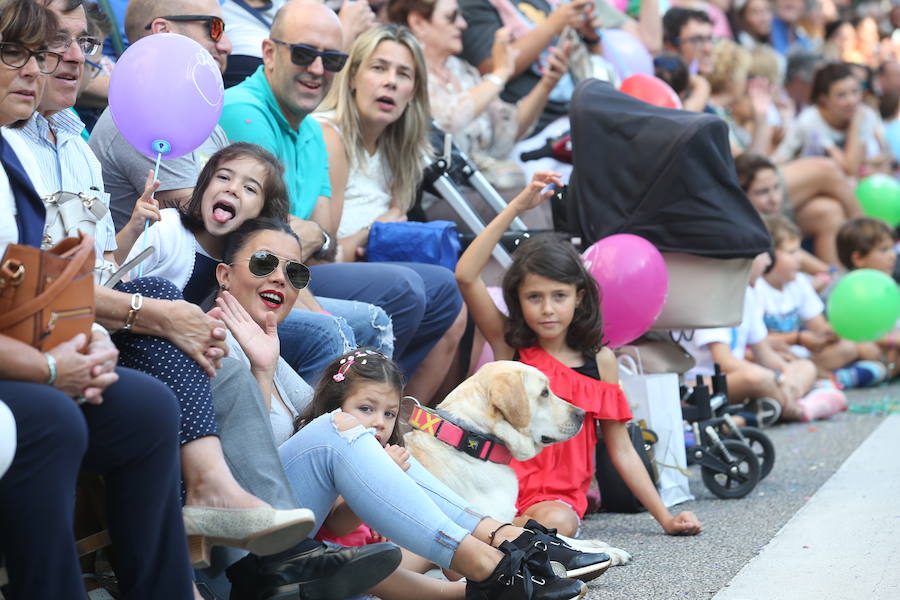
(653, 398)
(68, 213)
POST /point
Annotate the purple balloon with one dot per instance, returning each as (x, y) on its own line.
(633, 282)
(626, 53)
(166, 88)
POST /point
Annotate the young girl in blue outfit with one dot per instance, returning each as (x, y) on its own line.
(555, 325)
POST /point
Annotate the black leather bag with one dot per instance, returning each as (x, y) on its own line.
(614, 494)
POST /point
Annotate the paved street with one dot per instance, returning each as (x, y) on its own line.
(850, 531)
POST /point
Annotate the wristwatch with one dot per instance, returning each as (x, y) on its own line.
(323, 250)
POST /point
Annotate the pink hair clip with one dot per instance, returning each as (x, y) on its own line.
(346, 362)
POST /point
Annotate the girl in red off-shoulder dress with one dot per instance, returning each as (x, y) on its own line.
(554, 324)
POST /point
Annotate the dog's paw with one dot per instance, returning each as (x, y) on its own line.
(617, 555)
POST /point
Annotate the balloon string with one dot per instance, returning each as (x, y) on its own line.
(147, 221)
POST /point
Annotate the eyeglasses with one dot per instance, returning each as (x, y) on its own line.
(695, 40)
(215, 25)
(303, 56)
(17, 56)
(263, 263)
(93, 69)
(89, 45)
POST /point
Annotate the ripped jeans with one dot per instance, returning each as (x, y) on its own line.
(412, 509)
(311, 340)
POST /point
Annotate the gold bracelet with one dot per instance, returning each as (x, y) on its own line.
(137, 302)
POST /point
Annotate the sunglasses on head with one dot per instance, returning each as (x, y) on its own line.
(215, 24)
(263, 263)
(303, 56)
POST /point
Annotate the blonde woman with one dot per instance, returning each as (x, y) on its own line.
(375, 121)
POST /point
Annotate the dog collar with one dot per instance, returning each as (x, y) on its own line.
(477, 445)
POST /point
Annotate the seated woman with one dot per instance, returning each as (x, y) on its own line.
(468, 105)
(375, 123)
(72, 406)
(336, 455)
(838, 125)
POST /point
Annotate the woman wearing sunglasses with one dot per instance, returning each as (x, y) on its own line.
(334, 454)
(375, 122)
(72, 406)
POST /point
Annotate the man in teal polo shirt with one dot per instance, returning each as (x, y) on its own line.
(270, 108)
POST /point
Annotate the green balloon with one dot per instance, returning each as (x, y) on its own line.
(879, 196)
(864, 305)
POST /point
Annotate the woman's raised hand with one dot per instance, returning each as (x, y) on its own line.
(557, 63)
(538, 189)
(504, 54)
(261, 347)
(573, 14)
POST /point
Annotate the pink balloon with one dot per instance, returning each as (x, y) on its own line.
(166, 88)
(633, 282)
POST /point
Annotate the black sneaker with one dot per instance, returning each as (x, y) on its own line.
(313, 571)
(565, 560)
(524, 574)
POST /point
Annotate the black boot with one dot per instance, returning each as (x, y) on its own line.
(313, 571)
(524, 574)
(565, 560)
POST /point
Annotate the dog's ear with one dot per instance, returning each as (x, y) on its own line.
(506, 394)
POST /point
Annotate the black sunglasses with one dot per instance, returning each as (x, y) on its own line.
(215, 24)
(303, 56)
(17, 56)
(263, 263)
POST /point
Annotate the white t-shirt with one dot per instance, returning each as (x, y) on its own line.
(752, 330)
(788, 308)
(9, 231)
(245, 31)
(810, 135)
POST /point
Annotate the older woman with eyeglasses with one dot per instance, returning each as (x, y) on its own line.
(72, 408)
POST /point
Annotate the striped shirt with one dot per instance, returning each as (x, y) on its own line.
(69, 165)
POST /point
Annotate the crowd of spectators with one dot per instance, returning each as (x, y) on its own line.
(202, 362)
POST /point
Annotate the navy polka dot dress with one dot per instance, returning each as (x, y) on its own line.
(162, 359)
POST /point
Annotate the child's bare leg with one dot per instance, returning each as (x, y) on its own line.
(404, 584)
(834, 356)
(869, 351)
(415, 563)
(552, 514)
(801, 375)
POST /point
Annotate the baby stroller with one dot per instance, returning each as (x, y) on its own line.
(668, 176)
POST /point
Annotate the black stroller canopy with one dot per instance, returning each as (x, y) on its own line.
(665, 175)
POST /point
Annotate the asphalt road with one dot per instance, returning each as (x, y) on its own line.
(734, 531)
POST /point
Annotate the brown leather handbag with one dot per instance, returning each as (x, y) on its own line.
(47, 296)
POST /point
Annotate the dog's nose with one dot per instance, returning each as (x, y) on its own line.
(577, 416)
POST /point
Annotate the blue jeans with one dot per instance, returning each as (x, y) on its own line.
(413, 509)
(310, 340)
(422, 300)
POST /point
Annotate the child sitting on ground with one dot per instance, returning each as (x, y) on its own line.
(866, 243)
(793, 314)
(555, 325)
(788, 381)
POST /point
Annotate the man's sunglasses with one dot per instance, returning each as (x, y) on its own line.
(215, 24)
(303, 56)
(17, 56)
(263, 263)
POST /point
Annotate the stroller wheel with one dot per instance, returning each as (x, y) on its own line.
(739, 482)
(768, 410)
(762, 446)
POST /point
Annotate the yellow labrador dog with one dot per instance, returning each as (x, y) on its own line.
(504, 401)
